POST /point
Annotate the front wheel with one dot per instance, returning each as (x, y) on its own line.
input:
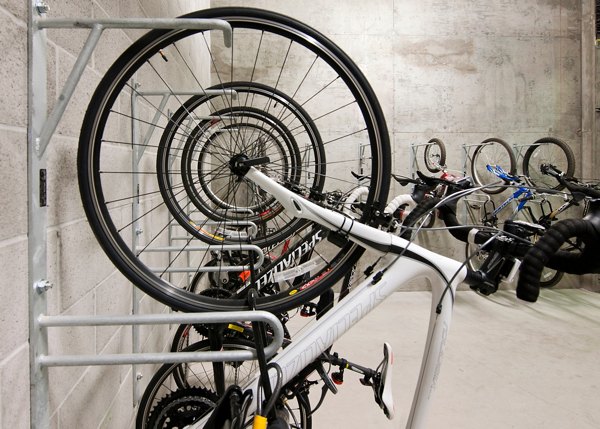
(492, 151)
(548, 150)
(166, 129)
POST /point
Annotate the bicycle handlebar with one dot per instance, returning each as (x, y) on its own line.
(406, 180)
(569, 182)
(581, 258)
(546, 252)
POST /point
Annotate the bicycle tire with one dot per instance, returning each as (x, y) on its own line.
(105, 151)
(161, 385)
(424, 208)
(434, 155)
(548, 150)
(163, 381)
(492, 151)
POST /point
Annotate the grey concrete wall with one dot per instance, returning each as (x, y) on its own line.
(460, 71)
(85, 281)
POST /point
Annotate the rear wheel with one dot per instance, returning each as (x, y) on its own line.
(179, 390)
(158, 154)
(170, 378)
(435, 155)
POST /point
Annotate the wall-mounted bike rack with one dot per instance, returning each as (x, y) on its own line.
(41, 127)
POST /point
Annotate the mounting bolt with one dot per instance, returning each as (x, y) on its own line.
(42, 285)
(139, 376)
(139, 231)
(42, 7)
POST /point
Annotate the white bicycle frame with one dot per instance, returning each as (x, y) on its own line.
(443, 273)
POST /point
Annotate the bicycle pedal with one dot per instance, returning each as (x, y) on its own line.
(328, 381)
(338, 377)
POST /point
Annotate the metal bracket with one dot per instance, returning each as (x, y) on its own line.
(42, 285)
(41, 127)
(153, 319)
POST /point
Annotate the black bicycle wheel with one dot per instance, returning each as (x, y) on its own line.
(435, 155)
(175, 376)
(167, 390)
(420, 216)
(548, 150)
(157, 200)
(492, 151)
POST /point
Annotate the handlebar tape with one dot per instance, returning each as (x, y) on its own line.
(569, 182)
(459, 231)
(420, 209)
(547, 252)
(448, 213)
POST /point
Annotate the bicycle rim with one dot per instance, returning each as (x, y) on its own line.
(434, 155)
(492, 151)
(548, 150)
(157, 201)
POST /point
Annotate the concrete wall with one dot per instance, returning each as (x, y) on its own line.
(460, 71)
(85, 282)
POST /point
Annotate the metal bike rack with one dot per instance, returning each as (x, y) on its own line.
(40, 129)
(152, 319)
(466, 158)
(414, 164)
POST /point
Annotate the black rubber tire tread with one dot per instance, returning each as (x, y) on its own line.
(420, 210)
(116, 248)
(511, 156)
(440, 144)
(564, 147)
(541, 255)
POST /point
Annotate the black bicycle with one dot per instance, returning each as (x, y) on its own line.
(572, 245)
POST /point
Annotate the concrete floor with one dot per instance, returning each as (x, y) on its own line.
(507, 364)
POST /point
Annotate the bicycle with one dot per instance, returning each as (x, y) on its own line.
(444, 273)
(570, 244)
(493, 254)
(544, 150)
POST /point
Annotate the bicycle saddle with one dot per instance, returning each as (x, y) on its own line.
(383, 389)
(406, 180)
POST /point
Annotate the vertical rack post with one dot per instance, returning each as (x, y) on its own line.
(135, 237)
(37, 215)
(40, 128)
